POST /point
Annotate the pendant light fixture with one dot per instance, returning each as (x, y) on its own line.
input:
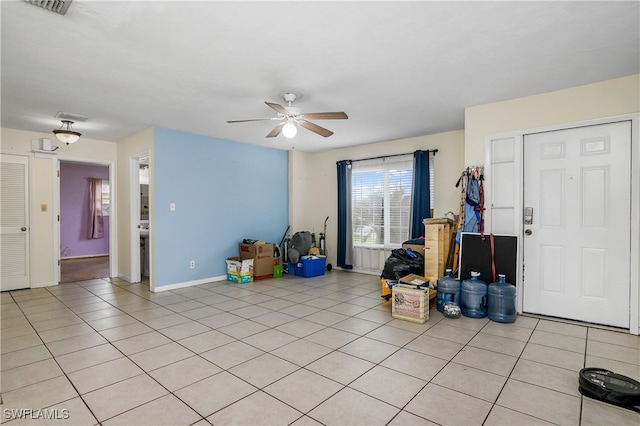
(289, 130)
(66, 134)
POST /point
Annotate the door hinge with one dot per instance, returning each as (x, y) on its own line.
(58, 173)
(58, 218)
(59, 262)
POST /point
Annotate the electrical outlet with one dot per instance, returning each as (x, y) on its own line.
(192, 264)
(172, 207)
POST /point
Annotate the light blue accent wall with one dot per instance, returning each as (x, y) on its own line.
(224, 191)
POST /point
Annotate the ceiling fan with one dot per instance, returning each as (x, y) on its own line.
(289, 117)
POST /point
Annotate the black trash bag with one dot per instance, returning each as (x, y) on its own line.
(403, 262)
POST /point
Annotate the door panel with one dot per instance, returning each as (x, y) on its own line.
(14, 238)
(576, 250)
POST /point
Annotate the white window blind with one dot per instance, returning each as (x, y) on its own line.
(381, 200)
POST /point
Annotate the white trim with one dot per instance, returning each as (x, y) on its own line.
(44, 284)
(113, 216)
(124, 278)
(518, 136)
(134, 218)
(634, 296)
(189, 283)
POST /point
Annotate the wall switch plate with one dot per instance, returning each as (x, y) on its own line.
(192, 264)
(172, 207)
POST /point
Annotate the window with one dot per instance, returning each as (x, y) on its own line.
(381, 200)
(106, 198)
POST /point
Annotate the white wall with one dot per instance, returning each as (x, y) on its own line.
(42, 191)
(313, 180)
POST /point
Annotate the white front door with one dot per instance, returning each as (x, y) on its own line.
(576, 256)
(14, 224)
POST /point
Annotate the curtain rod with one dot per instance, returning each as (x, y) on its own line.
(393, 155)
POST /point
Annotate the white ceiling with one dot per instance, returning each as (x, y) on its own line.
(398, 69)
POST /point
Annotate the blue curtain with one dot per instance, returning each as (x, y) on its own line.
(421, 197)
(345, 232)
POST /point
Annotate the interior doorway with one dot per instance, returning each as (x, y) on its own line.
(140, 214)
(85, 221)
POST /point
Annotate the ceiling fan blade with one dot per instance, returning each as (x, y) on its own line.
(252, 119)
(315, 128)
(279, 108)
(325, 115)
(276, 130)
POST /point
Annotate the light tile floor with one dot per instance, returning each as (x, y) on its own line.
(293, 350)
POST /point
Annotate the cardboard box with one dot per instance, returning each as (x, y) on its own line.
(262, 255)
(409, 303)
(239, 271)
(418, 248)
(415, 280)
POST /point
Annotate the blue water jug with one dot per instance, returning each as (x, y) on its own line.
(473, 297)
(448, 290)
(502, 300)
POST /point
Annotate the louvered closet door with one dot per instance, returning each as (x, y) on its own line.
(14, 225)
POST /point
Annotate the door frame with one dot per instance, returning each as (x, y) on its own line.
(134, 218)
(113, 220)
(510, 199)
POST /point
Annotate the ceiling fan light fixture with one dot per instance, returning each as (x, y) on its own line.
(66, 134)
(289, 130)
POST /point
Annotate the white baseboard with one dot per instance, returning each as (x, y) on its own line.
(44, 284)
(166, 287)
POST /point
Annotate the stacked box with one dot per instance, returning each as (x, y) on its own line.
(437, 234)
(263, 259)
(239, 271)
(414, 247)
(416, 280)
(409, 303)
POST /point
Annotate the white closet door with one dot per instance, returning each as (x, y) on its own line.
(14, 224)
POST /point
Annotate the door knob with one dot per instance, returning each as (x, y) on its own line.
(23, 229)
(528, 232)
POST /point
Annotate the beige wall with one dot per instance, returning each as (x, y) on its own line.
(598, 100)
(132, 146)
(313, 180)
(43, 190)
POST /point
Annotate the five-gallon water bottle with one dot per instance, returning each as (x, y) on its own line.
(473, 297)
(502, 300)
(448, 290)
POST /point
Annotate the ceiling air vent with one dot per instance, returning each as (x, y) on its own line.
(70, 116)
(57, 6)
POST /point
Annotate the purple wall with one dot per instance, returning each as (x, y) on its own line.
(74, 211)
